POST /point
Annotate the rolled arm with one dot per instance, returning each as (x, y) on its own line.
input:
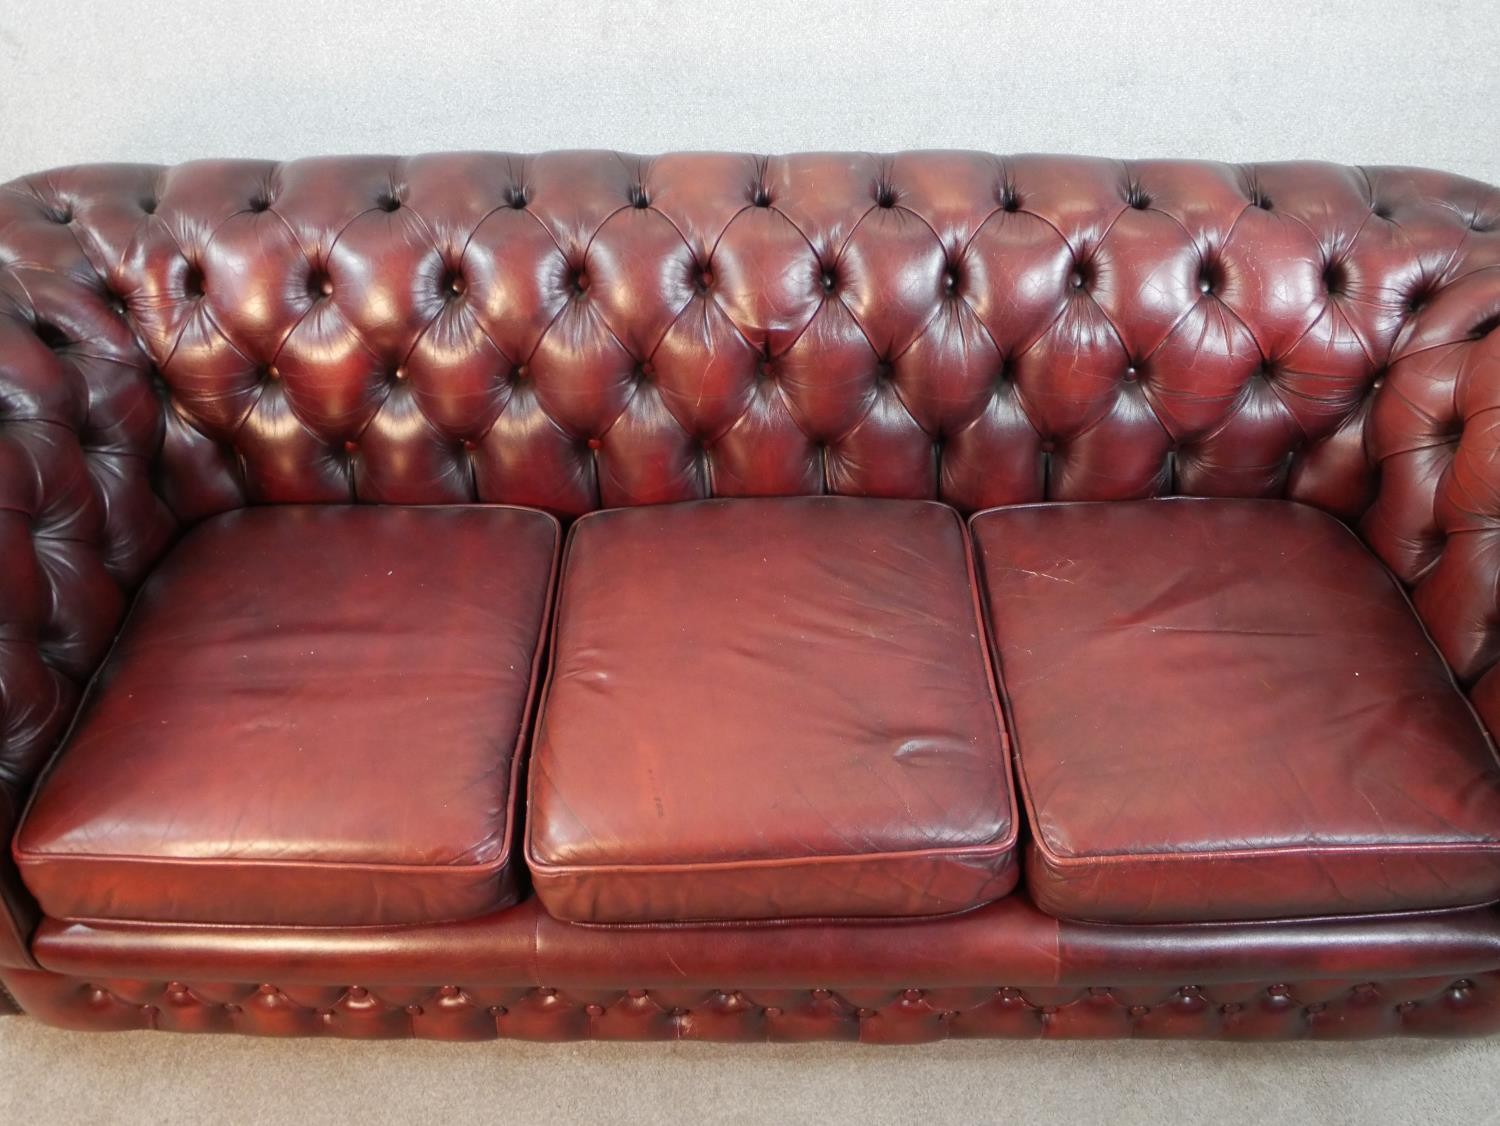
(80, 430)
(1434, 434)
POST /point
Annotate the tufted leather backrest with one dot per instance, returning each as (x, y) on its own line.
(574, 330)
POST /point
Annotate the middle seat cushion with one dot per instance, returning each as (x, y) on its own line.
(769, 708)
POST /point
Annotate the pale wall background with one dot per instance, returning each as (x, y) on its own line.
(1381, 81)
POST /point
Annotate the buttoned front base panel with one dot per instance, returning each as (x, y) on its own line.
(313, 715)
(1226, 709)
(769, 708)
(1005, 970)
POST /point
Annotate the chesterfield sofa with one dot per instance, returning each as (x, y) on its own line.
(720, 597)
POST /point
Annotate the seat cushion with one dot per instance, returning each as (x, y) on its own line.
(769, 708)
(311, 717)
(1226, 709)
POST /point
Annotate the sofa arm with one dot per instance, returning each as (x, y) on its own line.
(1434, 433)
(81, 427)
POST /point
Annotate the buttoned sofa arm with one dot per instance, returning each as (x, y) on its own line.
(1434, 436)
(81, 429)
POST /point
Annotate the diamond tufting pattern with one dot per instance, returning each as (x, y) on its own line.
(576, 330)
(1276, 1011)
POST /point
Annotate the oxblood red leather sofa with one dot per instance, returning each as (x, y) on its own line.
(710, 596)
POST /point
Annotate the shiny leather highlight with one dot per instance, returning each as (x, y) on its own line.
(314, 715)
(769, 708)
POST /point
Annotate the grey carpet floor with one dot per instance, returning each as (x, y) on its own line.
(51, 1076)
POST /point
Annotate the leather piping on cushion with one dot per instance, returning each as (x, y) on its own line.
(1042, 855)
(503, 870)
(556, 878)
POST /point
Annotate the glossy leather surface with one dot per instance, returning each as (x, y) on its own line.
(312, 716)
(1001, 970)
(772, 708)
(1009, 940)
(1226, 709)
(574, 330)
(1279, 1010)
